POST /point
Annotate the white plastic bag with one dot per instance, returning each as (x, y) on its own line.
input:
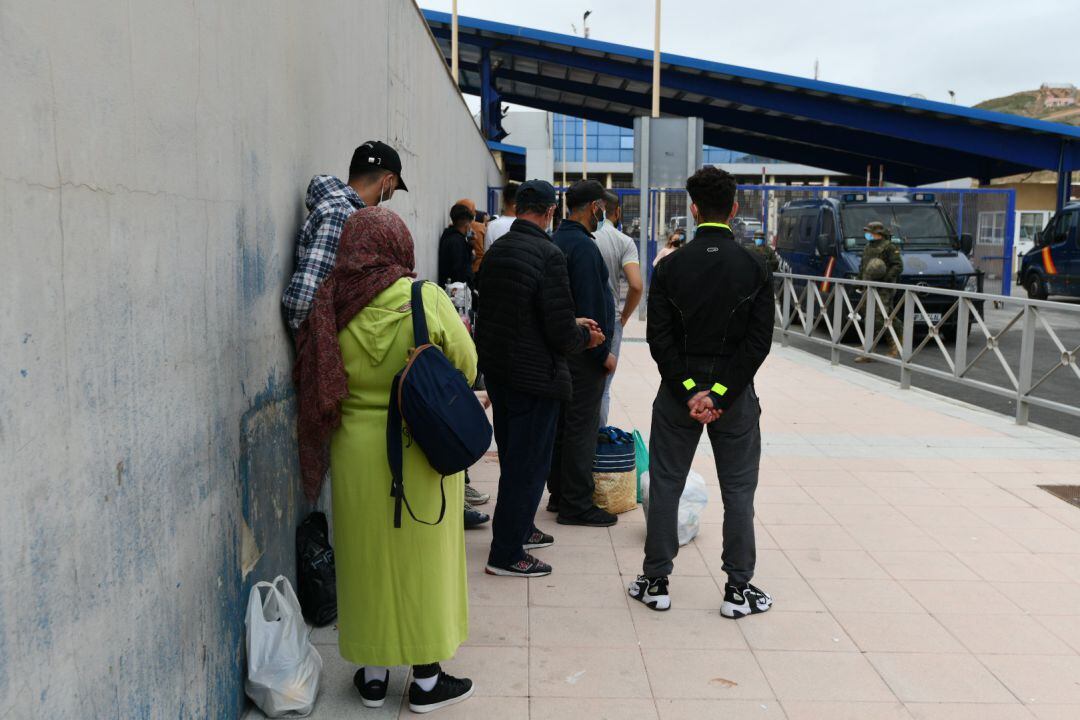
(283, 665)
(694, 499)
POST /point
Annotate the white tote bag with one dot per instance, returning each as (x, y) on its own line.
(283, 665)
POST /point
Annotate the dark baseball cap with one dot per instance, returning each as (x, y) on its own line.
(584, 191)
(535, 192)
(377, 154)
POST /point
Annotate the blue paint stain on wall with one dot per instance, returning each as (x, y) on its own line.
(271, 499)
(24, 372)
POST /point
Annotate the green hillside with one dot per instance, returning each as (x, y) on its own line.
(1029, 103)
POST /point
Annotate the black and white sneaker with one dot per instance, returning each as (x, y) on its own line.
(538, 540)
(742, 600)
(373, 693)
(448, 690)
(651, 591)
(526, 567)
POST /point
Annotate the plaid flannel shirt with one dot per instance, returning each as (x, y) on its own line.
(330, 202)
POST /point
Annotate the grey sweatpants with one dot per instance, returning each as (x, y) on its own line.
(736, 444)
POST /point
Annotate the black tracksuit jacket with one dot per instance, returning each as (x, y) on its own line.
(710, 316)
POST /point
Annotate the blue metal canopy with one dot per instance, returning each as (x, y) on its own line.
(826, 125)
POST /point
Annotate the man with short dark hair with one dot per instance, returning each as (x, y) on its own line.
(455, 248)
(501, 225)
(374, 176)
(525, 331)
(710, 322)
(620, 255)
(571, 479)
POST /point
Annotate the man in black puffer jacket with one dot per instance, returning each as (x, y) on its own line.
(525, 329)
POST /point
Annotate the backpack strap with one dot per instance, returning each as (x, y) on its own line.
(395, 454)
(419, 318)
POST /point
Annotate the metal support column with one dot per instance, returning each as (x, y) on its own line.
(1010, 230)
(1027, 361)
(1064, 177)
(643, 202)
(490, 102)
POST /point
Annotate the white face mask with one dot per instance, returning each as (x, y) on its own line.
(385, 193)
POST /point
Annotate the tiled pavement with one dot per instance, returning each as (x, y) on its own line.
(918, 572)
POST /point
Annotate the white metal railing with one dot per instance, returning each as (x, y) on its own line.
(826, 311)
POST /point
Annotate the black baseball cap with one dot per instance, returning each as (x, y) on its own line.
(535, 192)
(377, 154)
(584, 191)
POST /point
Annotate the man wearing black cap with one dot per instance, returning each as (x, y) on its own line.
(525, 330)
(571, 479)
(374, 175)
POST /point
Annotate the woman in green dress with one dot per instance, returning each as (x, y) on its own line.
(402, 594)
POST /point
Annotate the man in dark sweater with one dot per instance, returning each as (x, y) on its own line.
(525, 330)
(709, 329)
(455, 248)
(571, 480)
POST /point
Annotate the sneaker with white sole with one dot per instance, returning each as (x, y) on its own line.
(474, 496)
(537, 540)
(448, 690)
(372, 692)
(651, 591)
(743, 600)
(528, 566)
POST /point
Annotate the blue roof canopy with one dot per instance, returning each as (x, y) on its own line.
(826, 125)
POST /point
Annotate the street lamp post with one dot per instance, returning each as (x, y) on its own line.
(454, 45)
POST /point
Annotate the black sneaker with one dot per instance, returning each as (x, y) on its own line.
(526, 567)
(448, 690)
(538, 540)
(474, 518)
(593, 517)
(372, 694)
(651, 591)
(742, 600)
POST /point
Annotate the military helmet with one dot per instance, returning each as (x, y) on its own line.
(878, 228)
(875, 269)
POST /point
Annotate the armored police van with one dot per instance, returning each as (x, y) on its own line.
(824, 237)
(1052, 267)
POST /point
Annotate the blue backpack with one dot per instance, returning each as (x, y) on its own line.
(439, 411)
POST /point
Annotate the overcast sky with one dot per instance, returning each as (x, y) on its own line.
(981, 49)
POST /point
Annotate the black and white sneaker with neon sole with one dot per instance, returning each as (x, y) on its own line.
(448, 690)
(538, 540)
(373, 692)
(526, 567)
(743, 600)
(651, 591)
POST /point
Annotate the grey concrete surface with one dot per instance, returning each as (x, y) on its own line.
(153, 162)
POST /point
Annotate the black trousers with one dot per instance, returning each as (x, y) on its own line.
(525, 434)
(571, 479)
(736, 444)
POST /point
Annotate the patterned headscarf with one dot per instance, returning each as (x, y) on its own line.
(376, 250)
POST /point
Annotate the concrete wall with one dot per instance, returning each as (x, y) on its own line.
(154, 157)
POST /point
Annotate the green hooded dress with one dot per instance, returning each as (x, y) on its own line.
(402, 593)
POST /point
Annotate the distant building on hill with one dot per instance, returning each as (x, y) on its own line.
(1057, 95)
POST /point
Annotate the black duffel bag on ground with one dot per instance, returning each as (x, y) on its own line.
(316, 579)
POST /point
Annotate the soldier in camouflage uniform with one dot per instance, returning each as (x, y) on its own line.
(880, 247)
(771, 258)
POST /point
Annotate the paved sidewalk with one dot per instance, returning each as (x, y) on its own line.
(917, 570)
